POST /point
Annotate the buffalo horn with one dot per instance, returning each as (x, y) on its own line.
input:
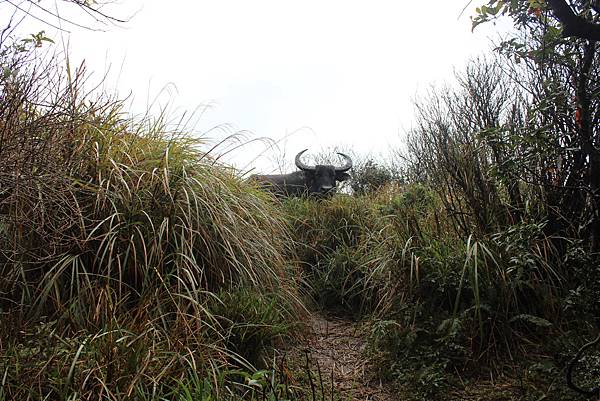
(346, 166)
(301, 165)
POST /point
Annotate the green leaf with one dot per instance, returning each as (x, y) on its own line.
(534, 320)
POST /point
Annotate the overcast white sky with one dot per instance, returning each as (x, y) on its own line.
(328, 72)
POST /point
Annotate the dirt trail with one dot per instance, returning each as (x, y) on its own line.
(337, 346)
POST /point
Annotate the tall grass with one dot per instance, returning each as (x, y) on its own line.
(332, 239)
(117, 239)
(439, 304)
(134, 266)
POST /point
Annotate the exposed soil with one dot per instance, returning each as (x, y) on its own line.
(336, 347)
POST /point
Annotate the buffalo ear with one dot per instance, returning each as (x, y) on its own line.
(341, 176)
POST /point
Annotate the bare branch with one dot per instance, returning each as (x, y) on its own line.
(61, 18)
(29, 14)
(35, 10)
(95, 10)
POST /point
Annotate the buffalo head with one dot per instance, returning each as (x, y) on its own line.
(321, 179)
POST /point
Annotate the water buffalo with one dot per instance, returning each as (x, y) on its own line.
(319, 180)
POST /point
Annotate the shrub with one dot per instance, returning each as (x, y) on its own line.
(369, 177)
(115, 236)
(333, 240)
(254, 321)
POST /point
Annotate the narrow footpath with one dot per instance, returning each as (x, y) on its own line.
(337, 347)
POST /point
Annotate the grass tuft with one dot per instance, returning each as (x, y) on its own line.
(129, 256)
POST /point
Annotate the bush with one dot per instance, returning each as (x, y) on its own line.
(115, 238)
(333, 239)
(254, 322)
(441, 304)
(369, 177)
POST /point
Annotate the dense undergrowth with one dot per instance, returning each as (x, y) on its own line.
(478, 262)
(134, 266)
(476, 267)
(127, 269)
(446, 312)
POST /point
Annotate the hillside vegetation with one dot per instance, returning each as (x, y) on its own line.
(135, 266)
(127, 269)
